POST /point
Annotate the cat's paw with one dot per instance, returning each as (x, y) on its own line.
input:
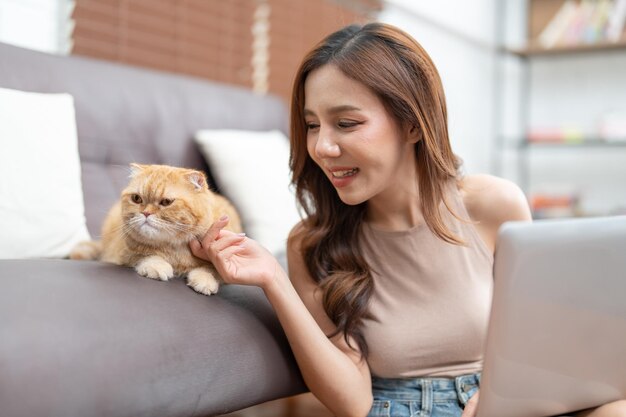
(203, 281)
(155, 267)
(87, 250)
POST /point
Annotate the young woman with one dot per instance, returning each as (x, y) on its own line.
(390, 272)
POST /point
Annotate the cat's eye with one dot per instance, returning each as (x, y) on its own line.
(166, 202)
(136, 198)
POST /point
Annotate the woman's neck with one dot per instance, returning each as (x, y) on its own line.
(393, 213)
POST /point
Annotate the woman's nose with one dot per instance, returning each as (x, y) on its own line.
(326, 146)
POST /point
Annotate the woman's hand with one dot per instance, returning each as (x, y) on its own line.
(471, 406)
(238, 259)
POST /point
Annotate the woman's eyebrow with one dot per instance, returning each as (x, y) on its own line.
(333, 110)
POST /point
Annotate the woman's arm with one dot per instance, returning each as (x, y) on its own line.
(333, 371)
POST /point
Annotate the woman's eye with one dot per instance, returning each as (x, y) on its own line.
(166, 202)
(136, 198)
(312, 126)
(346, 124)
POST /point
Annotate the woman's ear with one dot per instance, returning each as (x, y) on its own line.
(414, 134)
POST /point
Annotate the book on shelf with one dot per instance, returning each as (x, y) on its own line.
(552, 33)
(596, 30)
(585, 22)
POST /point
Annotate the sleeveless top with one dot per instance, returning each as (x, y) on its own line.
(430, 305)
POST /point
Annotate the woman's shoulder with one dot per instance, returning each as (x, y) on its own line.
(491, 201)
(489, 198)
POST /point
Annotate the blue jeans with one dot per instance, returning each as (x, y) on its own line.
(423, 397)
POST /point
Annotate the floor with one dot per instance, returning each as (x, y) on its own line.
(305, 405)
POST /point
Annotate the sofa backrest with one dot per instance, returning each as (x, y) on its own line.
(126, 114)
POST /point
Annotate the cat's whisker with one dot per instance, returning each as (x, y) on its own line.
(122, 227)
(192, 230)
(186, 226)
(126, 231)
(128, 227)
(174, 226)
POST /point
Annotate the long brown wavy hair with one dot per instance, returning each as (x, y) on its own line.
(398, 70)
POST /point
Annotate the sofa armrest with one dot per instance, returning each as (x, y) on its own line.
(84, 338)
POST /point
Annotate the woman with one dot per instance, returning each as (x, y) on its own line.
(391, 269)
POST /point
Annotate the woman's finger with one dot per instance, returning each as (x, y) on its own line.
(197, 250)
(225, 241)
(214, 231)
(225, 232)
(471, 406)
(227, 253)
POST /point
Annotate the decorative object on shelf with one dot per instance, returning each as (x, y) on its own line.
(617, 20)
(558, 134)
(585, 22)
(612, 126)
(551, 205)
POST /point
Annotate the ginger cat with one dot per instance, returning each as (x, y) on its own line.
(149, 229)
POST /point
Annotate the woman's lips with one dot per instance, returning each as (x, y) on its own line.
(341, 177)
(344, 172)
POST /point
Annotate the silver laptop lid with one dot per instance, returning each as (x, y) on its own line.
(557, 332)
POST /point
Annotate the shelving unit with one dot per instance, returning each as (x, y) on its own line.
(540, 14)
(536, 50)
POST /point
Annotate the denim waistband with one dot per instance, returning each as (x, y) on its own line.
(439, 389)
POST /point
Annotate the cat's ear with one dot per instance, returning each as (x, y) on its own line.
(198, 180)
(135, 169)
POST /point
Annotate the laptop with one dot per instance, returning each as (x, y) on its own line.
(556, 340)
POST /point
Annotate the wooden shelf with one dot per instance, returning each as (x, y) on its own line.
(543, 13)
(536, 50)
(589, 143)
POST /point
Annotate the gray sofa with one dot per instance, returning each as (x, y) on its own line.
(86, 339)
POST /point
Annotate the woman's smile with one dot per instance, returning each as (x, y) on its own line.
(341, 177)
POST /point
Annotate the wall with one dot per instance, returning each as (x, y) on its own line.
(462, 45)
(37, 24)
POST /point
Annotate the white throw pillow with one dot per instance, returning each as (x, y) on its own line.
(42, 211)
(252, 170)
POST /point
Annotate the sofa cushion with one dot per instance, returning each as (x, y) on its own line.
(253, 170)
(41, 200)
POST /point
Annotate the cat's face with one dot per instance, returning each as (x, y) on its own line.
(164, 204)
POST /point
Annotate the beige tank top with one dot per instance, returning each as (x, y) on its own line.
(431, 299)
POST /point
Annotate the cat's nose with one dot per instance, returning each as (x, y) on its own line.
(146, 213)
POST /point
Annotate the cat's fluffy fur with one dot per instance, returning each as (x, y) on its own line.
(159, 212)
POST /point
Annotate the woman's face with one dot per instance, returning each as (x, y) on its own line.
(360, 147)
